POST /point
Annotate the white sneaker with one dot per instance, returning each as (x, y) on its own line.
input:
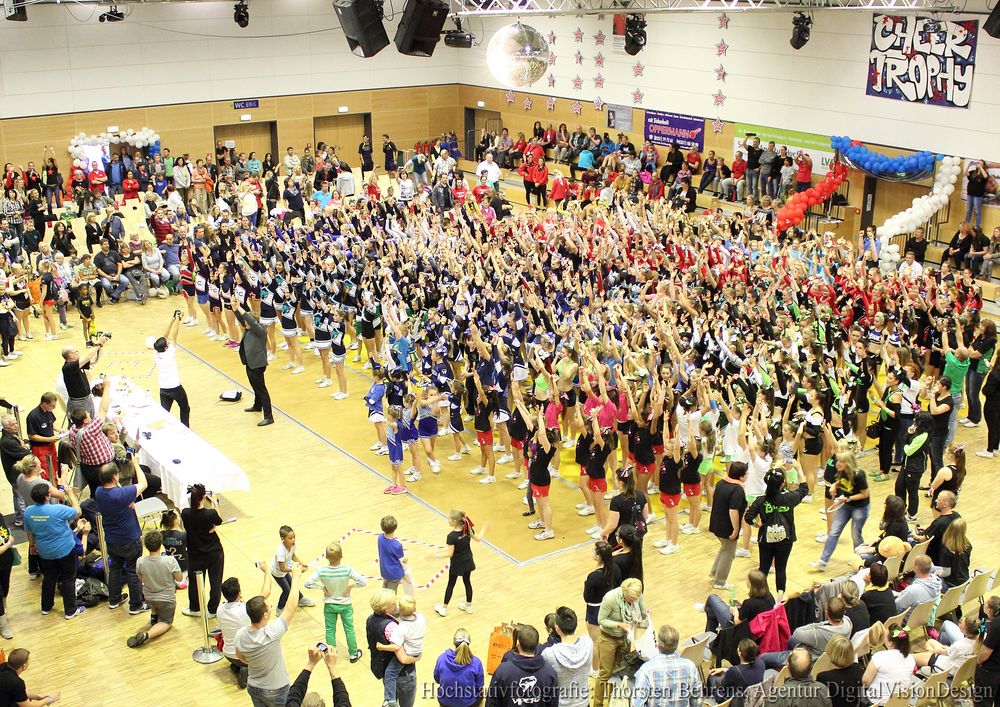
(652, 489)
(354, 346)
(970, 423)
(467, 608)
(366, 365)
(536, 524)
(435, 466)
(298, 369)
(691, 530)
(497, 447)
(807, 498)
(651, 517)
(705, 507)
(985, 454)
(663, 542)
(455, 457)
(193, 322)
(375, 447)
(326, 383)
(466, 449)
(288, 366)
(513, 475)
(505, 459)
(51, 337)
(594, 530)
(524, 501)
(271, 357)
(568, 444)
(609, 495)
(357, 359)
(310, 346)
(477, 470)
(963, 420)
(821, 538)
(339, 395)
(742, 552)
(523, 485)
(554, 473)
(319, 380)
(408, 472)
(443, 432)
(415, 476)
(544, 535)
(282, 346)
(382, 451)
(586, 511)
(3, 362)
(208, 330)
(753, 539)
(488, 480)
(818, 564)
(669, 549)
(441, 609)
(581, 505)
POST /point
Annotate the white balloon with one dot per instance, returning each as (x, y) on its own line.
(949, 189)
(156, 137)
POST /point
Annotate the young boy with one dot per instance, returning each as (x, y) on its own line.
(160, 575)
(85, 304)
(337, 581)
(281, 567)
(391, 557)
(406, 640)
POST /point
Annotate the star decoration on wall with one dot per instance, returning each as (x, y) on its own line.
(638, 69)
(577, 83)
(552, 80)
(721, 48)
(599, 37)
(578, 36)
(552, 37)
(599, 104)
(576, 107)
(599, 60)
(528, 103)
(723, 21)
(510, 96)
(598, 81)
(717, 125)
(550, 103)
(637, 96)
(719, 98)
(578, 57)
(720, 73)
(552, 59)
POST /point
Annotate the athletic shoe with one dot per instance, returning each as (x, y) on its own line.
(721, 586)
(652, 489)
(456, 457)
(818, 565)
(554, 473)
(699, 606)
(580, 506)
(568, 444)
(141, 610)
(389, 488)
(443, 432)
(398, 490)
(594, 530)
(3, 362)
(466, 607)
(821, 538)
(511, 475)
(353, 346)
(298, 369)
(524, 500)
(808, 498)
(506, 459)
(413, 477)
(970, 423)
(488, 480)
(137, 640)
(382, 452)
(306, 601)
(753, 539)
(357, 656)
(661, 543)
(651, 517)
(356, 359)
(340, 395)
(536, 524)
(271, 357)
(497, 447)
(375, 447)
(188, 612)
(441, 609)
(477, 470)
(609, 495)
(669, 549)
(366, 365)
(963, 420)
(704, 506)
(51, 337)
(523, 485)
(319, 380)
(691, 530)
(466, 449)
(79, 610)
(242, 676)
(45, 613)
(326, 383)
(912, 519)
(586, 511)
(409, 472)
(435, 466)
(985, 454)
(288, 366)
(593, 674)
(310, 346)
(544, 535)
(742, 552)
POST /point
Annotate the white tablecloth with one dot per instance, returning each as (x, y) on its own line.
(174, 453)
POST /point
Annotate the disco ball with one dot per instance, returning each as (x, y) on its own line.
(518, 55)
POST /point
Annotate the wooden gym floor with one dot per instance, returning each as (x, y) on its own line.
(313, 471)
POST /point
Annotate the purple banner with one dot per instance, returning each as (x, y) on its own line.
(664, 128)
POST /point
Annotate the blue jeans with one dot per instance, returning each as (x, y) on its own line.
(18, 506)
(718, 613)
(122, 558)
(54, 193)
(753, 183)
(975, 207)
(406, 688)
(949, 633)
(390, 680)
(973, 384)
(956, 403)
(285, 582)
(268, 698)
(857, 516)
(118, 290)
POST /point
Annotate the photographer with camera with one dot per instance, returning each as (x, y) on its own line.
(253, 355)
(297, 694)
(74, 373)
(171, 389)
(122, 534)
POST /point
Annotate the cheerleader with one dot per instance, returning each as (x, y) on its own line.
(338, 352)
(425, 408)
(394, 450)
(269, 314)
(323, 331)
(290, 331)
(374, 403)
(215, 306)
(410, 436)
(188, 289)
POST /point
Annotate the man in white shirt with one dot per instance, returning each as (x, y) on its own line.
(443, 165)
(291, 161)
(259, 646)
(170, 378)
(910, 268)
(492, 170)
(232, 616)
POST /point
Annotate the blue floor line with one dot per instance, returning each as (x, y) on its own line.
(343, 451)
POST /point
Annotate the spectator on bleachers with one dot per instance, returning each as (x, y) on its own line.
(800, 690)
(724, 683)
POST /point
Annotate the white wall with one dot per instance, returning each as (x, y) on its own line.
(54, 64)
(820, 88)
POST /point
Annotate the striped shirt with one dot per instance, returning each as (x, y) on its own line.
(334, 581)
(667, 681)
(92, 444)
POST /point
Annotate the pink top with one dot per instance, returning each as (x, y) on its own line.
(624, 415)
(552, 412)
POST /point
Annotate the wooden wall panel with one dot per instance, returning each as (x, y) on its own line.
(249, 137)
(343, 132)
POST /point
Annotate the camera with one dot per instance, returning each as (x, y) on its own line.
(103, 335)
(322, 647)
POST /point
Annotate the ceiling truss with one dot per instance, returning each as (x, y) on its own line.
(522, 8)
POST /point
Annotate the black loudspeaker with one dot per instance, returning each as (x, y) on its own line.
(420, 27)
(361, 21)
(15, 10)
(992, 24)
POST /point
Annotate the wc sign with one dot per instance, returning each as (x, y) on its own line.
(922, 59)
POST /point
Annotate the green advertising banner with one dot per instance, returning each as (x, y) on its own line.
(818, 146)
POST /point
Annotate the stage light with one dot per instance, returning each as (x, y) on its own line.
(459, 38)
(112, 15)
(241, 13)
(801, 29)
(635, 34)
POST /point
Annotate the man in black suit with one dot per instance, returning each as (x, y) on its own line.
(253, 355)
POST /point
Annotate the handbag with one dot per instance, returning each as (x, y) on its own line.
(874, 430)
(15, 556)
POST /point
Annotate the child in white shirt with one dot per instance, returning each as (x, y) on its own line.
(406, 641)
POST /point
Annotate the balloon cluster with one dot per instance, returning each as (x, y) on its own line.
(879, 165)
(923, 208)
(142, 138)
(799, 204)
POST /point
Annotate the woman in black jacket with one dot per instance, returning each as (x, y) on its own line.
(599, 582)
(774, 516)
(991, 411)
(204, 549)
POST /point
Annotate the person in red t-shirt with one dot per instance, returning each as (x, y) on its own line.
(130, 186)
(481, 190)
(737, 181)
(656, 187)
(803, 178)
(97, 178)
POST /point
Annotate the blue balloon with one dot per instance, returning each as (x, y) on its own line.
(939, 157)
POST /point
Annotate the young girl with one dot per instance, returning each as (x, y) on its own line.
(188, 289)
(338, 352)
(290, 332)
(323, 340)
(281, 568)
(455, 424)
(85, 305)
(393, 434)
(543, 449)
(408, 430)
(949, 477)
(670, 496)
(459, 552)
(174, 540)
(483, 409)
(373, 401)
(424, 408)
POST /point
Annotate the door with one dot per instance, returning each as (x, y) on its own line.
(251, 137)
(343, 133)
(475, 120)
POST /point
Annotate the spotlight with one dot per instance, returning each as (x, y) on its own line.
(459, 38)
(241, 13)
(801, 25)
(635, 34)
(112, 15)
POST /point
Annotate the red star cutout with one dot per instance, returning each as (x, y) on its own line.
(599, 37)
(527, 104)
(637, 96)
(599, 104)
(578, 36)
(720, 73)
(719, 98)
(577, 83)
(552, 59)
(638, 69)
(510, 96)
(723, 21)
(721, 48)
(550, 103)
(599, 60)
(576, 107)
(717, 125)
(552, 80)
(552, 37)
(578, 57)
(598, 81)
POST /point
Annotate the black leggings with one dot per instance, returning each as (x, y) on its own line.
(908, 487)
(778, 553)
(450, 589)
(541, 193)
(886, 442)
(991, 414)
(212, 565)
(6, 562)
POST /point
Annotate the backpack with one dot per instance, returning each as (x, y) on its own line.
(90, 592)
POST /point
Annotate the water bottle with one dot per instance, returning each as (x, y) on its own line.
(732, 595)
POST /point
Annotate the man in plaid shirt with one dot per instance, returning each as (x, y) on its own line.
(667, 680)
(92, 446)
